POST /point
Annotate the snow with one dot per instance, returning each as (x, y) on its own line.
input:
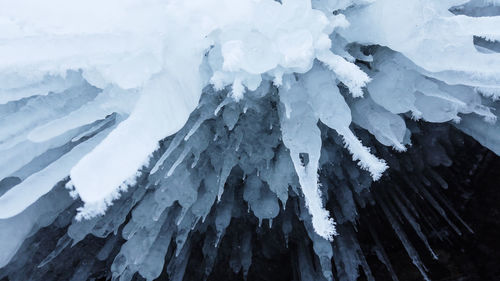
(119, 156)
(111, 50)
(431, 37)
(67, 66)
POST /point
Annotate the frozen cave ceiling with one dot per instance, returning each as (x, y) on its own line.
(249, 139)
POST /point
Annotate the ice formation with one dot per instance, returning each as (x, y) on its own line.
(167, 117)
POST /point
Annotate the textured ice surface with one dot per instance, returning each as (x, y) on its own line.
(163, 65)
(163, 215)
(110, 94)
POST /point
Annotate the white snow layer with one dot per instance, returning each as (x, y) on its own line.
(148, 61)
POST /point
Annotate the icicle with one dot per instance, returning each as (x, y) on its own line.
(438, 208)
(227, 165)
(452, 210)
(62, 243)
(366, 160)
(347, 72)
(412, 253)
(177, 267)
(225, 102)
(310, 143)
(380, 252)
(183, 232)
(107, 248)
(413, 223)
(406, 201)
(176, 141)
(223, 215)
(181, 157)
(306, 268)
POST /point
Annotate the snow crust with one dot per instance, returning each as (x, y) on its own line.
(64, 71)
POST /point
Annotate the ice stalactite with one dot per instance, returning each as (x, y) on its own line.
(177, 126)
(163, 215)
